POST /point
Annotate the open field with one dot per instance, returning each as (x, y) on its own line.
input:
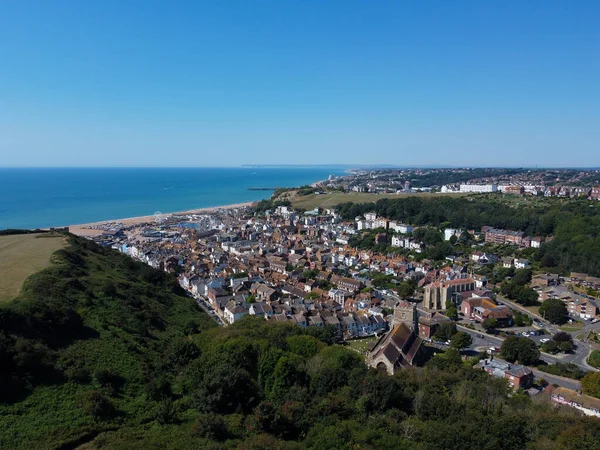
(333, 198)
(570, 327)
(361, 345)
(22, 255)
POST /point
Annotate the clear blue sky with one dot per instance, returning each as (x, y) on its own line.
(217, 83)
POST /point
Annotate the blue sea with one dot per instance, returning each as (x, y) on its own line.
(50, 197)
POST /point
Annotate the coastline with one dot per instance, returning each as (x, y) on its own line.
(58, 197)
(93, 228)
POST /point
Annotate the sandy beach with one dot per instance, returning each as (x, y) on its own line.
(92, 229)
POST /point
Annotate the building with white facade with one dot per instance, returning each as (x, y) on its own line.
(380, 223)
(401, 227)
(478, 188)
(448, 189)
(449, 232)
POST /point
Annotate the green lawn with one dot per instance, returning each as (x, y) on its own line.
(335, 198)
(361, 345)
(576, 326)
(22, 255)
(535, 310)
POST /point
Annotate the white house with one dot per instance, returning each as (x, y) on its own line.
(261, 309)
(397, 241)
(361, 224)
(350, 260)
(521, 263)
(480, 281)
(414, 245)
(234, 312)
(380, 223)
(483, 258)
(401, 227)
(339, 295)
(449, 232)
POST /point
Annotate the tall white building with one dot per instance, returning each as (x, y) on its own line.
(449, 232)
(478, 188)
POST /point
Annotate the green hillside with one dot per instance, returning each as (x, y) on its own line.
(82, 345)
(22, 255)
(100, 352)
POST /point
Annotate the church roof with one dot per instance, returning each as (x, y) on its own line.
(391, 353)
(400, 335)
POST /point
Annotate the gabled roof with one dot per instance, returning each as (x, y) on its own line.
(400, 335)
(391, 353)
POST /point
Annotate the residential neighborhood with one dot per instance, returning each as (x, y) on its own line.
(299, 267)
(562, 183)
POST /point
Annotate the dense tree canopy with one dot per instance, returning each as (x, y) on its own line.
(489, 324)
(574, 223)
(521, 294)
(590, 384)
(554, 310)
(519, 349)
(461, 340)
(445, 331)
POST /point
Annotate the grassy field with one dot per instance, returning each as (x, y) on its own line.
(22, 255)
(570, 327)
(535, 310)
(361, 345)
(335, 198)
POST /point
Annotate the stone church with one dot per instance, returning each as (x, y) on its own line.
(402, 346)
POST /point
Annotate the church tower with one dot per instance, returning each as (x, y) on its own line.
(405, 312)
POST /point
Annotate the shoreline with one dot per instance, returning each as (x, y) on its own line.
(68, 206)
(91, 228)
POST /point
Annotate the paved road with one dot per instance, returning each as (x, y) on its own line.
(582, 349)
(483, 341)
(560, 381)
(205, 306)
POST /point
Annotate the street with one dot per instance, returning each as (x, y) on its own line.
(482, 342)
(208, 309)
(582, 349)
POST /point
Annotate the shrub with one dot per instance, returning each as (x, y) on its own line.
(96, 404)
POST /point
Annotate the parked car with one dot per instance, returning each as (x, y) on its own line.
(525, 334)
(544, 340)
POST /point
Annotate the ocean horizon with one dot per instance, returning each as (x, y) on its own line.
(52, 197)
